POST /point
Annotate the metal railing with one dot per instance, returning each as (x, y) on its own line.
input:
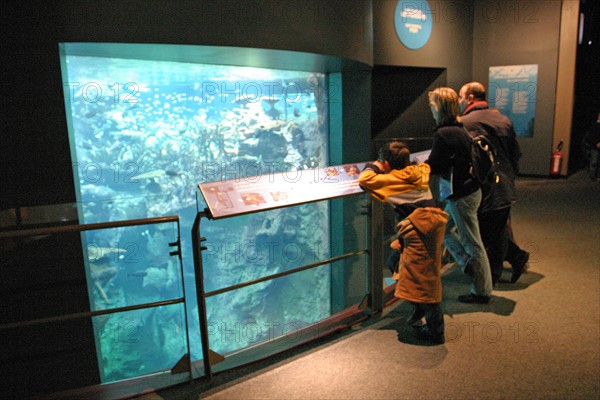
(210, 357)
(374, 297)
(74, 228)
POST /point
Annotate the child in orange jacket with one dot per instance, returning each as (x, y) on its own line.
(420, 230)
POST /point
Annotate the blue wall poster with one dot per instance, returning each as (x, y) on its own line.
(413, 22)
(512, 89)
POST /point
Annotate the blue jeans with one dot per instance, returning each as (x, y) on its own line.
(463, 241)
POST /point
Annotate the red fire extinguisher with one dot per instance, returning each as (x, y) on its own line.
(556, 161)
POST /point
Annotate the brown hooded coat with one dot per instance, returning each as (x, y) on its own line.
(419, 275)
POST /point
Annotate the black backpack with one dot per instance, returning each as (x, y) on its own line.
(484, 166)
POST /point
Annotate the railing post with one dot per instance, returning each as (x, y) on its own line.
(376, 261)
(200, 293)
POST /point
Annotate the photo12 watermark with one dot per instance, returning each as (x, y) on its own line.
(96, 92)
(492, 332)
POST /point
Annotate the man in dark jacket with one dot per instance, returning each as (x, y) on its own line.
(498, 196)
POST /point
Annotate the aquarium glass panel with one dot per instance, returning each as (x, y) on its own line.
(352, 229)
(248, 247)
(140, 342)
(144, 132)
(131, 265)
(349, 282)
(268, 310)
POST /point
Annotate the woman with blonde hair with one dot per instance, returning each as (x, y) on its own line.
(450, 159)
(444, 105)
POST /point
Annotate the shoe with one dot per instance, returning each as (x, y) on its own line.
(423, 333)
(473, 298)
(495, 281)
(516, 274)
(415, 317)
(519, 267)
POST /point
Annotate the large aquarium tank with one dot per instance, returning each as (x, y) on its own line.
(145, 128)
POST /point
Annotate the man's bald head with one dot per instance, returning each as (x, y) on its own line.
(473, 88)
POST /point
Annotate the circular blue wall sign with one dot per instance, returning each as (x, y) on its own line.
(413, 22)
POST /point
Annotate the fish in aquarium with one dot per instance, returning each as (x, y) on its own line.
(143, 134)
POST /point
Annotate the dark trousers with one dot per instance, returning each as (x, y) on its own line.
(514, 254)
(493, 225)
(434, 317)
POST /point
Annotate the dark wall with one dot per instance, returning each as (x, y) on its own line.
(400, 107)
(587, 102)
(36, 164)
(522, 32)
(44, 278)
(448, 47)
(34, 144)
(402, 77)
(468, 37)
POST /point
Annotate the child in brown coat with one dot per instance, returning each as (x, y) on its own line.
(419, 276)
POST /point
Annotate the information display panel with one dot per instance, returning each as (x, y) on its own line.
(264, 192)
(513, 91)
